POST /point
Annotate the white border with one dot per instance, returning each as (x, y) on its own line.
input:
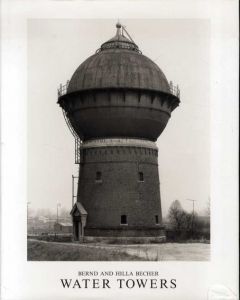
(36, 280)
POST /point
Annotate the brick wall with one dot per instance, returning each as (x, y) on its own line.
(119, 191)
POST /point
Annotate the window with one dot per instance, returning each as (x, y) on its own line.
(140, 176)
(98, 176)
(123, 220)
(156, 219)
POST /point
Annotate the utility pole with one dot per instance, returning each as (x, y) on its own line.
(58, 205)
(27, 208)
(73, 190)
(27, 214)
(192, 213)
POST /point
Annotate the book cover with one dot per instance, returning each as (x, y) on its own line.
(119, 150)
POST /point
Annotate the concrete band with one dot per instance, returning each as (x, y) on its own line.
(119, 142)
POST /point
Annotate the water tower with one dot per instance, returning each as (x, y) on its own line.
(117, 104)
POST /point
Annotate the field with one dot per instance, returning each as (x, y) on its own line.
(55, 251)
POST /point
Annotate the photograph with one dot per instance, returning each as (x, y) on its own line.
(119, 150)
(118, 121)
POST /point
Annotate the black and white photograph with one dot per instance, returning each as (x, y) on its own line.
(133, 115)
(119, 150)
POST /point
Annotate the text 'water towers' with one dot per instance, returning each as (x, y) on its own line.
(117, 103)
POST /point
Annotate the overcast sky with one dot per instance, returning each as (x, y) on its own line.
(180, 47)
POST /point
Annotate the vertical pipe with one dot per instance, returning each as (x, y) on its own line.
(72, 190)
(193, 217)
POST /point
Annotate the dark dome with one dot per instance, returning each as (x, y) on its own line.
(118, 92)
(118, 64)
(118, 68)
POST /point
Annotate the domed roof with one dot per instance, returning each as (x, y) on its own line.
(118, 64)
(120, 41)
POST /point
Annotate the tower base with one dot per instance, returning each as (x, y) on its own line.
(127, 231)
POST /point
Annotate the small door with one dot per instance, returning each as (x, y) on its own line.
(76, 230)
(80, 229)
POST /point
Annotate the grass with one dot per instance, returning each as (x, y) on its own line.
(57, 251)
(171, 251)
(50, 251)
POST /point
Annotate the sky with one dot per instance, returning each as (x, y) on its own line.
(180, 47)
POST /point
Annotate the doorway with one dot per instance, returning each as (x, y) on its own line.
(76, 231)
(79, 217)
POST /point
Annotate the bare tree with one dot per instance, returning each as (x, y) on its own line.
(176, 215)
(188, 220)
(178, 218)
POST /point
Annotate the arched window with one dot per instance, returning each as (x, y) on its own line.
(123, 219)
(156, 219)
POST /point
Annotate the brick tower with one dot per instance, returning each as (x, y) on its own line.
(117, 103)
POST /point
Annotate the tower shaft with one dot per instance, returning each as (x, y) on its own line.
(119, 187)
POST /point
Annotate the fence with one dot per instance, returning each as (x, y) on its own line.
(174, 89)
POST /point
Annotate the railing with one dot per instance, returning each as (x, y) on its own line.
(63, 89)
(174, 89)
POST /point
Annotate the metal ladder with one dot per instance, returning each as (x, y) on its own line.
(76, 138)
